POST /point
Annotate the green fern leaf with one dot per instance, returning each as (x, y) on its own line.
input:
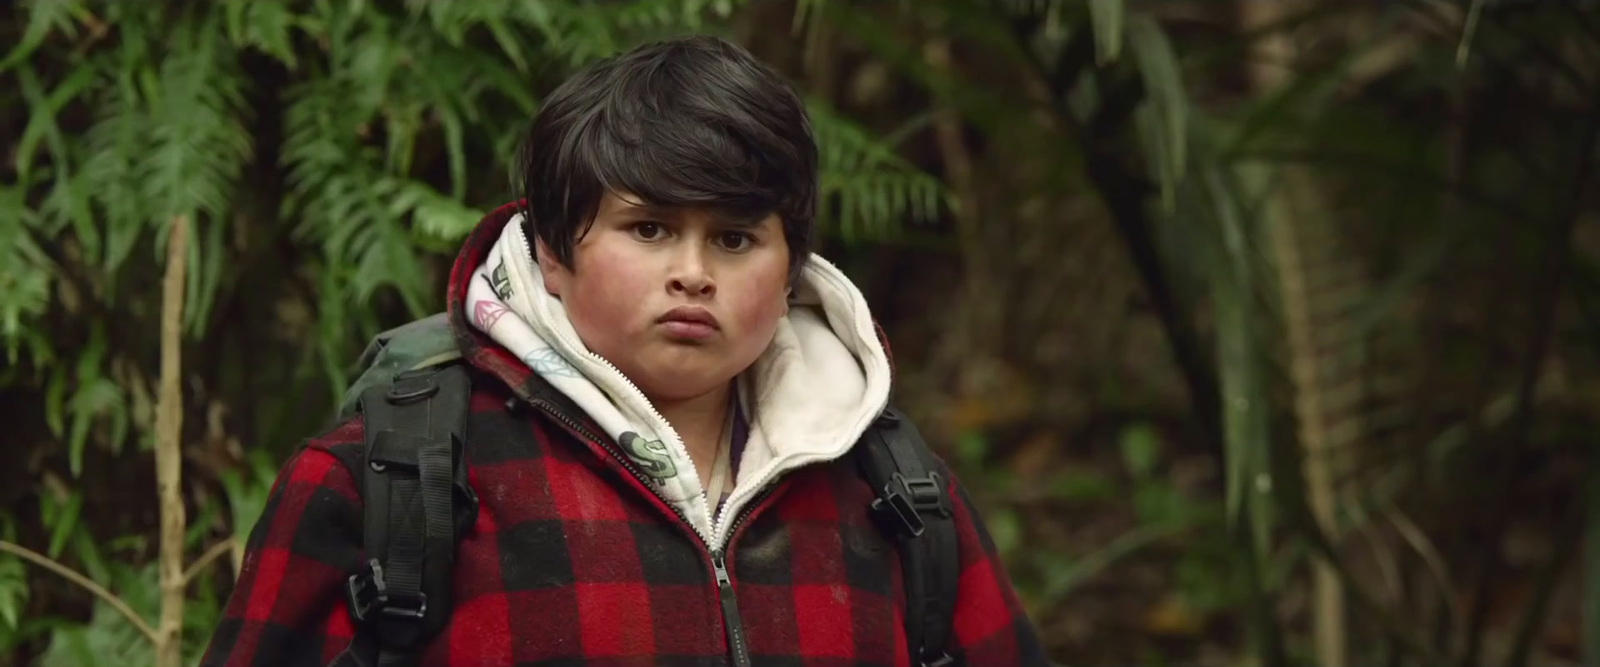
(111, 175)
(13, 580)
(44, 16)
(25, 271)
(872, 189)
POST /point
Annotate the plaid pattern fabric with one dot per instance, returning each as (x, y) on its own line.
(573, 561)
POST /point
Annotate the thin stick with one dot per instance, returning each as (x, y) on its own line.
(169, 449)
(216, 551)
(88, 584)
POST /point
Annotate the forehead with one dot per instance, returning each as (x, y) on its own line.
(628, 205)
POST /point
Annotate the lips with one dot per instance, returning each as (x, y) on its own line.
(691, 315)
(689, 323)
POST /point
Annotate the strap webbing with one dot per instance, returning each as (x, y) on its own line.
(414, 431)
(914, 505)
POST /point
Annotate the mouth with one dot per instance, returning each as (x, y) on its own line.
(689, 323)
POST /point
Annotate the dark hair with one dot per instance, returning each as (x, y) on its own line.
(688, 122)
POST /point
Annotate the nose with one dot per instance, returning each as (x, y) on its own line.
(690, 276)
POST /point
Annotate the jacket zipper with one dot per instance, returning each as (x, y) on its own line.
(732, 623)
(605, 443)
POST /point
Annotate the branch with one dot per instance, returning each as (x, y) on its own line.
(169, 450)
(86, 583)
(216, 551)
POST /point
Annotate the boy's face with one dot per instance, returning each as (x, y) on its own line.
(676, 299)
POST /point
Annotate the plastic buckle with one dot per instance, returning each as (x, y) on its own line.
(368, 592)
(927, 494)
(412, 386)
(908, 499)
(944, 660)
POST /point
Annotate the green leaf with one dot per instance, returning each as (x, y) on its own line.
(247, 492)
(13, 580)
(970, 449)
(1108, 16)
(1141, 449)
(63, 523)
(434, 214)
(1082, 486)
(268, 29)
(42, 119)
(26, 274)
(455, 151)
(1063, 576)
(1005, 528)
(45, 15)
(1166, 101)
(873, 189)
(1244, 398)
(13, 590)
(508, 43)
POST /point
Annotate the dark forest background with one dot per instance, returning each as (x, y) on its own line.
(1266, 332)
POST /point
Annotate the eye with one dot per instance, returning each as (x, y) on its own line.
(736, 241)
(648, 231)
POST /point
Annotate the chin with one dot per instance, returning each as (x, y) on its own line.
(676, 384)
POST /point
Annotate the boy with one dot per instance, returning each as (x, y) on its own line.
(665, 385)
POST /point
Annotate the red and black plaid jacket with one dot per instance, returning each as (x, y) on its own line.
(573, 562)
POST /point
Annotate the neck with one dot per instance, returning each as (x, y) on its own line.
(699, 420)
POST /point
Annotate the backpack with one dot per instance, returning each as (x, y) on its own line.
(412, 396)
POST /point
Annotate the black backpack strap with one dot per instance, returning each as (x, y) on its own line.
(417, 507)
(913, 505)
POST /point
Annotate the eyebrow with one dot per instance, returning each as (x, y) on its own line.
(675, 214)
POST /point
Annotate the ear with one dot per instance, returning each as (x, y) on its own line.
(550, 269)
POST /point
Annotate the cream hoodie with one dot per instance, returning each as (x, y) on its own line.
(811, 394)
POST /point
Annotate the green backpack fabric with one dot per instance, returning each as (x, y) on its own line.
(424, 343)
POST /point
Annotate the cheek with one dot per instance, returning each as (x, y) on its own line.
(760, 304)
(604, 304)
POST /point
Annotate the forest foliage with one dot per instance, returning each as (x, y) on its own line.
(1264, 332)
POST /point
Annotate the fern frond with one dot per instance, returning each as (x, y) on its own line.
(25, 276)
(871, 187)
(264, 25)
(198, 145)
(117, 140)
(13, 582)
(435, 217)
(44, 16)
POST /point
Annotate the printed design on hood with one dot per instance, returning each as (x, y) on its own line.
(488, 313)
(651, 455)
(546, 362)
(500, 282)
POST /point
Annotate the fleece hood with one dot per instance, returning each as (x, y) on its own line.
(818, 386)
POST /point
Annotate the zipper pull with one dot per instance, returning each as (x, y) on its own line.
(720, 566)
(731, 623)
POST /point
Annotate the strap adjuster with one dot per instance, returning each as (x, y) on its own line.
(906, 500)
(367, 593)
(412, 386)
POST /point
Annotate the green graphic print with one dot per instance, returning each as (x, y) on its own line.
(500, 281)
(650, 455)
